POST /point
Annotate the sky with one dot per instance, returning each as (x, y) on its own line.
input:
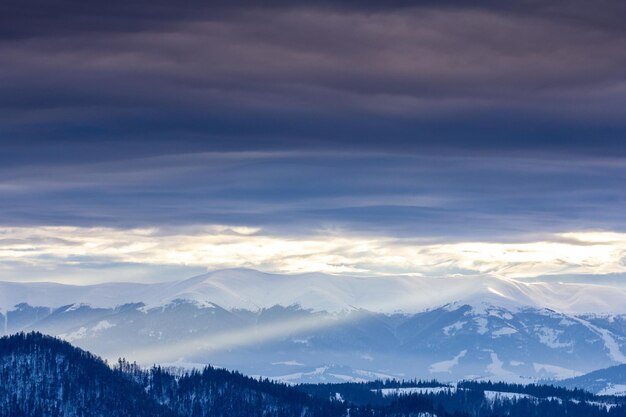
(153, 140)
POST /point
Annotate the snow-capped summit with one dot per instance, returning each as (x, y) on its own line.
(288, 326)
(253, 290)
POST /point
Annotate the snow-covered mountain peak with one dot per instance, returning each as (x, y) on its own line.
(449, 327)
(254, 290)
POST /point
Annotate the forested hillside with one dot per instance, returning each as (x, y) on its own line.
(44, 376)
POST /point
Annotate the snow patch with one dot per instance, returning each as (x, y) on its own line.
(453, 328)
(614, 389)
(550, 337)
(288, 363)
(77, 306)
(609, 342)
(496, 369)
(102, 325)
(556, 371)
(446, 366)
(81, 333)
(374, 375)
(503, 331)
(493, 396)
(385, 392)
(481, 322)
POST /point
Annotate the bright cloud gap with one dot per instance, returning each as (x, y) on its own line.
(53, 248)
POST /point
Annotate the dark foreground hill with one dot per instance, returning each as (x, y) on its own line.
(44, 376)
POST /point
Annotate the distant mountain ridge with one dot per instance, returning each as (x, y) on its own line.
(320, 328)
(253, 290)
(608, 381)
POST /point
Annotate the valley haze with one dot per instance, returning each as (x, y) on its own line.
(324, 328)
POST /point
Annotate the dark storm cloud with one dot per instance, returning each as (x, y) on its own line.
(249, 75)
(433, 197)
(411, 118)
(34, 17)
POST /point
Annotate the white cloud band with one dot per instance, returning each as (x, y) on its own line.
(213, 247)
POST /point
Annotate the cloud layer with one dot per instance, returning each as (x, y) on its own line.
(59, 249)
(425, 196)
(342, 74)
(382, 123)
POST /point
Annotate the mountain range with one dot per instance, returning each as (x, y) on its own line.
(324, 328)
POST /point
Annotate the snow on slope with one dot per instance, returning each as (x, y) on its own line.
(49, 294)
(609, 342)
(386, 392)
(254, 290)
(607, 381)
